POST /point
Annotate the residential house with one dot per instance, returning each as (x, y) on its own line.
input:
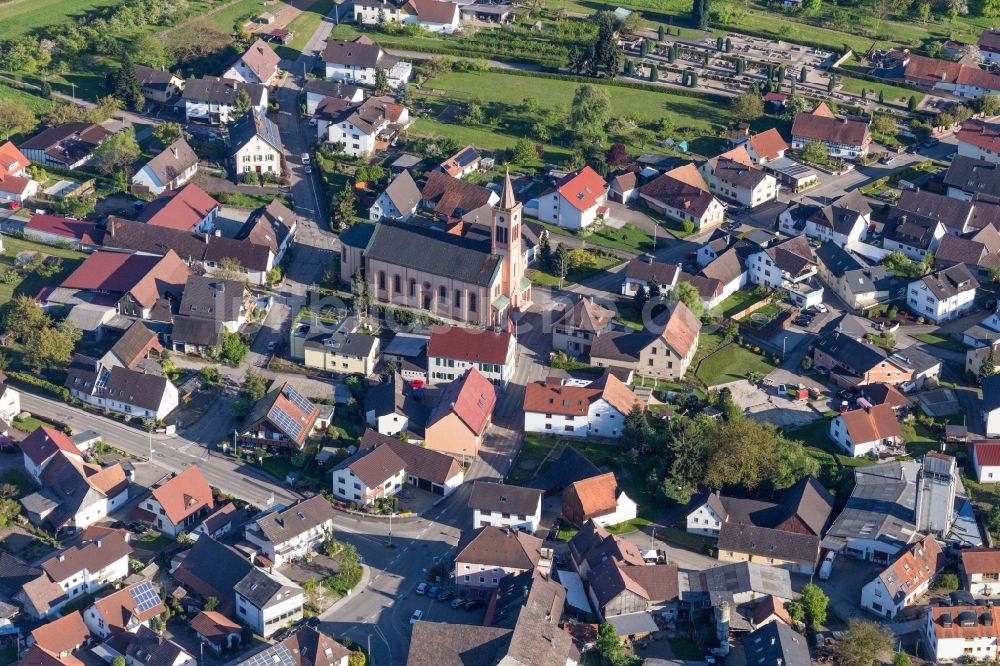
(618, 592)
(258, 64)
(576, 201)
(227, 301)
(971, 179)
(904, 580)
(343, 349)
(265, 601)
(16, 183)
(805, 508)
(986, 461)
(870, 430)
(364, 127)
(776, 643)
(574, 331)
(958, 217)
(980, 570)
(844, 138)
(974, 358)
(318, 90)
(358, 60)
(663, 351)
(294, 532)
(574, 409)
(765, 147)
(10, 402)
(790, 265)
(57, 230)
(977, 139)
(989, 45)
(281, 421)
(736, 584)
(426, 469)
(735, 176)
(42, 445)
(451, 197)
(255, 146)
(953, 78)
(681, 194)
(60, 638)
(204, 252)
(222, 521)
(740, 542)
(433, 15)
(179, 503)
(858, 285)
(462, 163)
(218, 632)
(394, 407)
(171, 169)
(399, 201)
(158, 87)
(452, 350)
(69, 145)
(598, 498)
(305, 646)
(844, 222)
(728, 271)
(592, 544)
(457, 425)
(72, 573)
(409, 351)
(854, 362)
(504, 505)
(991, 405)
(953, 633)
(913, 235)
(485, 555)
(188, 209)
(214, 100)
(146, 646)
(943, 295)
(272, 226)
(120, 389)
(126, 610)
(979, 251)
(644, 269)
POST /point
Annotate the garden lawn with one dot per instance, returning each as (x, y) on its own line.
(21, 16)
(629, 237)
(38, 105)
(728, 364)
(152, 541)
(303, 27)
(736, 302)
(599, 264)
(486, 138)
(939, 341)
(533, 451)
(32, 283)
(224, 19)
(893, 95)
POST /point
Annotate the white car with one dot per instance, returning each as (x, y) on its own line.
(821, 308)
(312, 122)
(305, 158)
(417, 615)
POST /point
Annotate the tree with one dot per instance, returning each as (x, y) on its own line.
(901, 659)
(911, 104)
(795, 611)
(127, 87)
(644, 48)
(117, 154)
(699, 14)
(381, 81)
(687, 293)
(230, 268)
(883, 123)
(803, 74)
(234, 349)
(609, 646)
(748, 107)
(605, 53)
(545, 251)
(242, 104)
(741, 66)
(694, 79)
(561, 263)
(357, 658)
(672, 53)
(814, 603)
(659, 33)
(748, 453)
(831, 83)
(362, 296)
(947, 581)
(617, 155)
(524, 152)
(168, 132)
(639, 300)
(636, 432)
(15, 117)
(988, 367)
(988, 105)
(211, 603)
(22, 316)
(588, 114)
(729, 45)
(863, 643)
(654, 73)
(51, 346)
(210, 375)
(118, 661)
(344, 205)
(150, 50)
(720, 43)
(815, 152)
(253, 387)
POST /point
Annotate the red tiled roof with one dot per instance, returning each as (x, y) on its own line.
(976, 629)
(987, 453)
(981, 560)
(682, 188)
(60, 226)
(871, 425)
(14, 184)
(110, 271)
(471, 398)
(184, 494)
(62, 635)
(43, 443)
(682, 329)
(469, 344)
(118, 607)
(594, 497)
(434, 11)
(818, 126)
(180, 209)
(284, 403)
(213, 625)
(769, 144)
(12, 160)
(583, 189)
(555, 398)
(980, 134)
(261, 60)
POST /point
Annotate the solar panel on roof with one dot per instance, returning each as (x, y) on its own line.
(276, 655)
(145, 596)
(466, 157)
(286, 423)
(296, 399)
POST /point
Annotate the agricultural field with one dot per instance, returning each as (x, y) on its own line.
(21, 16)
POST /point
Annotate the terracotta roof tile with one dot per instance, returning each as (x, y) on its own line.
(261, 59)
(43, 443)
(499, 547)
(469, 344)
(119, 607)
(981, 560)
(471, 398)
(987, 453)
(871, 425)
(594, 497)
(181, 209)
(980, 134)
(62, 635)
(60, 226)
(823, 126)
(12, 160)
(583, 189)
(184, 494)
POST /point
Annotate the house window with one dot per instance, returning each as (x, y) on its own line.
(443, 295)
(413, 287)
(381, 280)
(472, 302)
(458, 298)
(397, 284)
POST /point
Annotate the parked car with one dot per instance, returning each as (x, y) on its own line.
(888, 158)
(305, 158)
(422, 588)
(312, 122)
(445, 596)
(457, 602)
(433, 591)
(473, 604)
(930, 143)
(822, 308)
(308, 169)
(417, 615)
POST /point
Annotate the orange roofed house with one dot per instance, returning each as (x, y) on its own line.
(576, 201)
(600, 499)
(458, 424)
(60, 638)
(599, 408)
(281, 421)
(904, 580)
(664, 350)
(15, 181)
(682, 195)
(188, 209)
(179, 503)
(126, 609)
(844, 138)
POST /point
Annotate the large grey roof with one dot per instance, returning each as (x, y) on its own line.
(174, 160)
(209, 297)
(768, 542)
(836, 259)
(881, 506)
(433, 252)
(776, 643)
(504, 498)
(722, 583)
(258, 588)
(254, 124)
(977, 177)
(281, 526)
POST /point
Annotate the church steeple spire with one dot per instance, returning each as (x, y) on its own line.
(507, 200)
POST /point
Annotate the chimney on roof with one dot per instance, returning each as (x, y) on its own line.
(173, 149)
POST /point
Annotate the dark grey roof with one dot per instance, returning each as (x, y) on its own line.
(621, 345)
(571, 466)
(254, 124)
(445, 644)
(505, 498)
(858, 356)
(281, 526)
(722, 583)
(421, 462)
(14, 573)
(433, 252)
(915, 359)
(768, 542)
(221, 91)
(147, 647)
(949, 282)
(173, 161)
(64, 483)
(977, 177)
(305, 647)
(739, 174)
(153, 78)
(403, 192)
(335, 89)
(952, 213)
(360, 52)
(198, 331)
(776, 643)
(358, 235)
(349, 344)
(646, 268)
(208, 297)
(881, 506)
(258, 588)
(212, 569)
(269, 225)
(910, 229)
(836, 259)
(137, 388)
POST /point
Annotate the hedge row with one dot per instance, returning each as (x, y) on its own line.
(43, 385)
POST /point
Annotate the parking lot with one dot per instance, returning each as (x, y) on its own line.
(768, 405)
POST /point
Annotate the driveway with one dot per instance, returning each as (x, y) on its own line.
(768, 406)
